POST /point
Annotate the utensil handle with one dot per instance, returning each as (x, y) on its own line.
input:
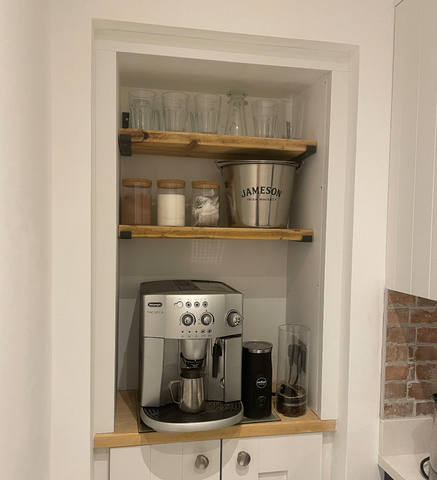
(171, 391)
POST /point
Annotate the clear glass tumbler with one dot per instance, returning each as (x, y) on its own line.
(207, 112)
(236, 121)
(142, 107)
(265, 115)
(174, 111)
(292, 374)
(292, 112)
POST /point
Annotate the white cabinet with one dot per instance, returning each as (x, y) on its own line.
(412, 225)
(287, 457)
(131, 463)
(291, 457)
(175, 461)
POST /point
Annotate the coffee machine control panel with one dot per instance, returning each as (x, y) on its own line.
(192, 316)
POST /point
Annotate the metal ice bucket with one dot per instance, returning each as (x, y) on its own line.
(258, 192)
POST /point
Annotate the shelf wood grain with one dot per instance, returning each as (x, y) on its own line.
(126, 428)
(222, 233)
(206, 145)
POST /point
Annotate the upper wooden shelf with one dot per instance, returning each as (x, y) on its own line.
(222, 233)
(204, 145)
(126, 427)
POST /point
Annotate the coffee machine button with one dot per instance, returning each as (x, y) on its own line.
(187, 319)
(233, 318)
(205, 304)
(261, 401)
(188, 304)
(206, 318)
(197, 304)
(179, 304)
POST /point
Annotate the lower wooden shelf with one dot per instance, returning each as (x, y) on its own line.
(222, 233)
(126, 427)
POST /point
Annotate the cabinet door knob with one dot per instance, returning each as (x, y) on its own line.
(201, 462)
(243, 459)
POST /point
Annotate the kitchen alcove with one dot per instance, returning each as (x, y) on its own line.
(282, 282)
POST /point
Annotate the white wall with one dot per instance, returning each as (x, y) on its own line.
(25, 241)
(367, 24)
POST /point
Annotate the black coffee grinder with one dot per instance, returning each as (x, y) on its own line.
(256, 380)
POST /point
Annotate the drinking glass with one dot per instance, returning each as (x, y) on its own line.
(292, 110)
(292, 376)
(207, 112)
(236, 121)
(142, 107)
(265, 115)
(174, 111)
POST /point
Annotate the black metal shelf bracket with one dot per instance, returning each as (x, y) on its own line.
(310, 150)
(125, 145)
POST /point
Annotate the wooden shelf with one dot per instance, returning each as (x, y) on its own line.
(126, 427)
(140, 231)
(204, 145)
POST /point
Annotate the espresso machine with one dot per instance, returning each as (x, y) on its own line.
(190, 335)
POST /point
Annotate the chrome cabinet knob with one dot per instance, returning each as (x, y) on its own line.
(243, 459)
(201, 462)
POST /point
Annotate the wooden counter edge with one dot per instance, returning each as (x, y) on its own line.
(127, 434)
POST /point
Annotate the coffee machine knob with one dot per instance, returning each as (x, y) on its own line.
(187, 319)
(233, 318)
(206, 318)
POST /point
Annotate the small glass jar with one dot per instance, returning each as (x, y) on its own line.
(171, 203)
(205, 207)
(136, 201)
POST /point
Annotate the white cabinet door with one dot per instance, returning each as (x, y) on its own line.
(201, 460)
(240, 459)
(129, 463)
(175, 461)
(305, 456)
(287, 457)
(166, 462)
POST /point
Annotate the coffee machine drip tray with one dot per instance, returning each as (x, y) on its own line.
(170, 419)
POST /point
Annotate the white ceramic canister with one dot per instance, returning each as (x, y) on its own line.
(171, 203)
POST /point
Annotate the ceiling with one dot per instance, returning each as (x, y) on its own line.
(193, 75)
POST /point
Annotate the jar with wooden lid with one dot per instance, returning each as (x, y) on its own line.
(171, 203)
(136, 201)
(205, 203)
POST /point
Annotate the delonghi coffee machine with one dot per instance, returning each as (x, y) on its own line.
(191, 334)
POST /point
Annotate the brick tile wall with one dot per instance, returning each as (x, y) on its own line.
(410, 375)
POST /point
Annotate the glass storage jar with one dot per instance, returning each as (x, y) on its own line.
(171, 203)
(292, 374)
(136, 201)
(205, 203)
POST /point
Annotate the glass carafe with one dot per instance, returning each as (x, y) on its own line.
(236, 122)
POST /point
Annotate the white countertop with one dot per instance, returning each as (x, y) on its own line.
(403, 467)
(404, 443)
